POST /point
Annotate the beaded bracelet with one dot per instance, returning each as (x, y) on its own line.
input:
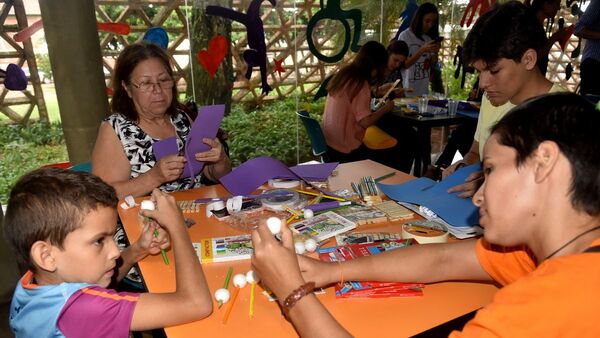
(296, 295)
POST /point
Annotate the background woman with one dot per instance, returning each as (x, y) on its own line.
(422, 49)
(348, 109)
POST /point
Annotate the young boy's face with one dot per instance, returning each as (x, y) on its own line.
(395, 60)
(508, 198)
(501, 80)
(89, 253)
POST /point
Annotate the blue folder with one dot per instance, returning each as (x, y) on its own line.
(456, 211)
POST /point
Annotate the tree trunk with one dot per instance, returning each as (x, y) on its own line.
(203, 28)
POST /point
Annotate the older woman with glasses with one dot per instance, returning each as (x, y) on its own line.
(145, 110)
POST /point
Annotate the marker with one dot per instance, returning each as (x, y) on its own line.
(326, 205)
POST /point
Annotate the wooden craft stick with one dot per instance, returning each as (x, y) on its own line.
(233, 298)
(251, 309)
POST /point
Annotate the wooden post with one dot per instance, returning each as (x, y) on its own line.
(74, 50)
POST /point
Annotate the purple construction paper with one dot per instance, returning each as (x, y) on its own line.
(313, 172)
(165, 147)
(253, 173)
(206, 126)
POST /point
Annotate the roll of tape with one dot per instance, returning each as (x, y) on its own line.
(283, 184)
(234, 204)
(425, 231)
(287, 197)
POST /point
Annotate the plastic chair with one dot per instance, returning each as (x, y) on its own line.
(315, 134)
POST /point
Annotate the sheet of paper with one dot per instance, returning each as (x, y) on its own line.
(164, 147)
(457, 211)
(206, 125)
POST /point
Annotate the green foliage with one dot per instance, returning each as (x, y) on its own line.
(24, 148)
(43, 64)
(453, 85)
(269, 130)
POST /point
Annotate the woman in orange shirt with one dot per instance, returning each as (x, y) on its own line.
(540, 210)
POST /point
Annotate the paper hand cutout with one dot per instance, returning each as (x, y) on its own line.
(211, 59)
(14, 77)
(109, 27)
(482, 5)
(333, 11)
(406, 16)
(256, 55)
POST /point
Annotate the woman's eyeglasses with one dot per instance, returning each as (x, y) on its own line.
(146, 87)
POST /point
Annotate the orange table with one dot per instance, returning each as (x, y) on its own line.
(391, 317)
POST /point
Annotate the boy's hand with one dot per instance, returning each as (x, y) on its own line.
(150, 244)
(167, 213)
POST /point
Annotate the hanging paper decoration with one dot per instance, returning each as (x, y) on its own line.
(256, 55)
(406, 16)
(158, 36)
(114, 27)
(333, 11)
(278, 66)
(211, 59)
(457, 61)
(109, 27)
(482, 5)
(14, 77)
(27, 32)
(322, 91)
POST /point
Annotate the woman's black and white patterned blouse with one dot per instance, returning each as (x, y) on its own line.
(138, 147)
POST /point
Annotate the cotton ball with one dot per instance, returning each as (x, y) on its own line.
(299, 247)
(252, 277)
(308, 213)
(310, 245)
(274, 225)
(147, 205)
(222, 295)
(239, 280)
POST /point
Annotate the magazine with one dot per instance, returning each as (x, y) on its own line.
(323, 226)
(222, 249)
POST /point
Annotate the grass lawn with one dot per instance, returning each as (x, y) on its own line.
(51, 106)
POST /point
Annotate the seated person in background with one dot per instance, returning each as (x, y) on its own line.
(146, 110)
(60, 225)
(397, 54)
(540, 210)
(502, 46)
(348, 110)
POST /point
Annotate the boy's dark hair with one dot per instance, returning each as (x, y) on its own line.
(49, 203)
(398, 47)
(507, 31)
(371, 56)
(416, 25)
(573, 124)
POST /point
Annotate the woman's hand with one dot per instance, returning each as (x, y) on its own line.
(322, 273)
(275, 262)
(215, 154)
(168, 168)
(430, 47)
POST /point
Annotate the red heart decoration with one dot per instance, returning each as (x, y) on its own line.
(211, 59)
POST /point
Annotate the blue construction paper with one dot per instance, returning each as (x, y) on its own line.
(456, 211)
(472, 114)
(165, 147)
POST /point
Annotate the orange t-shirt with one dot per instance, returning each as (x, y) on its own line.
(340, 119)
(558, 298)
